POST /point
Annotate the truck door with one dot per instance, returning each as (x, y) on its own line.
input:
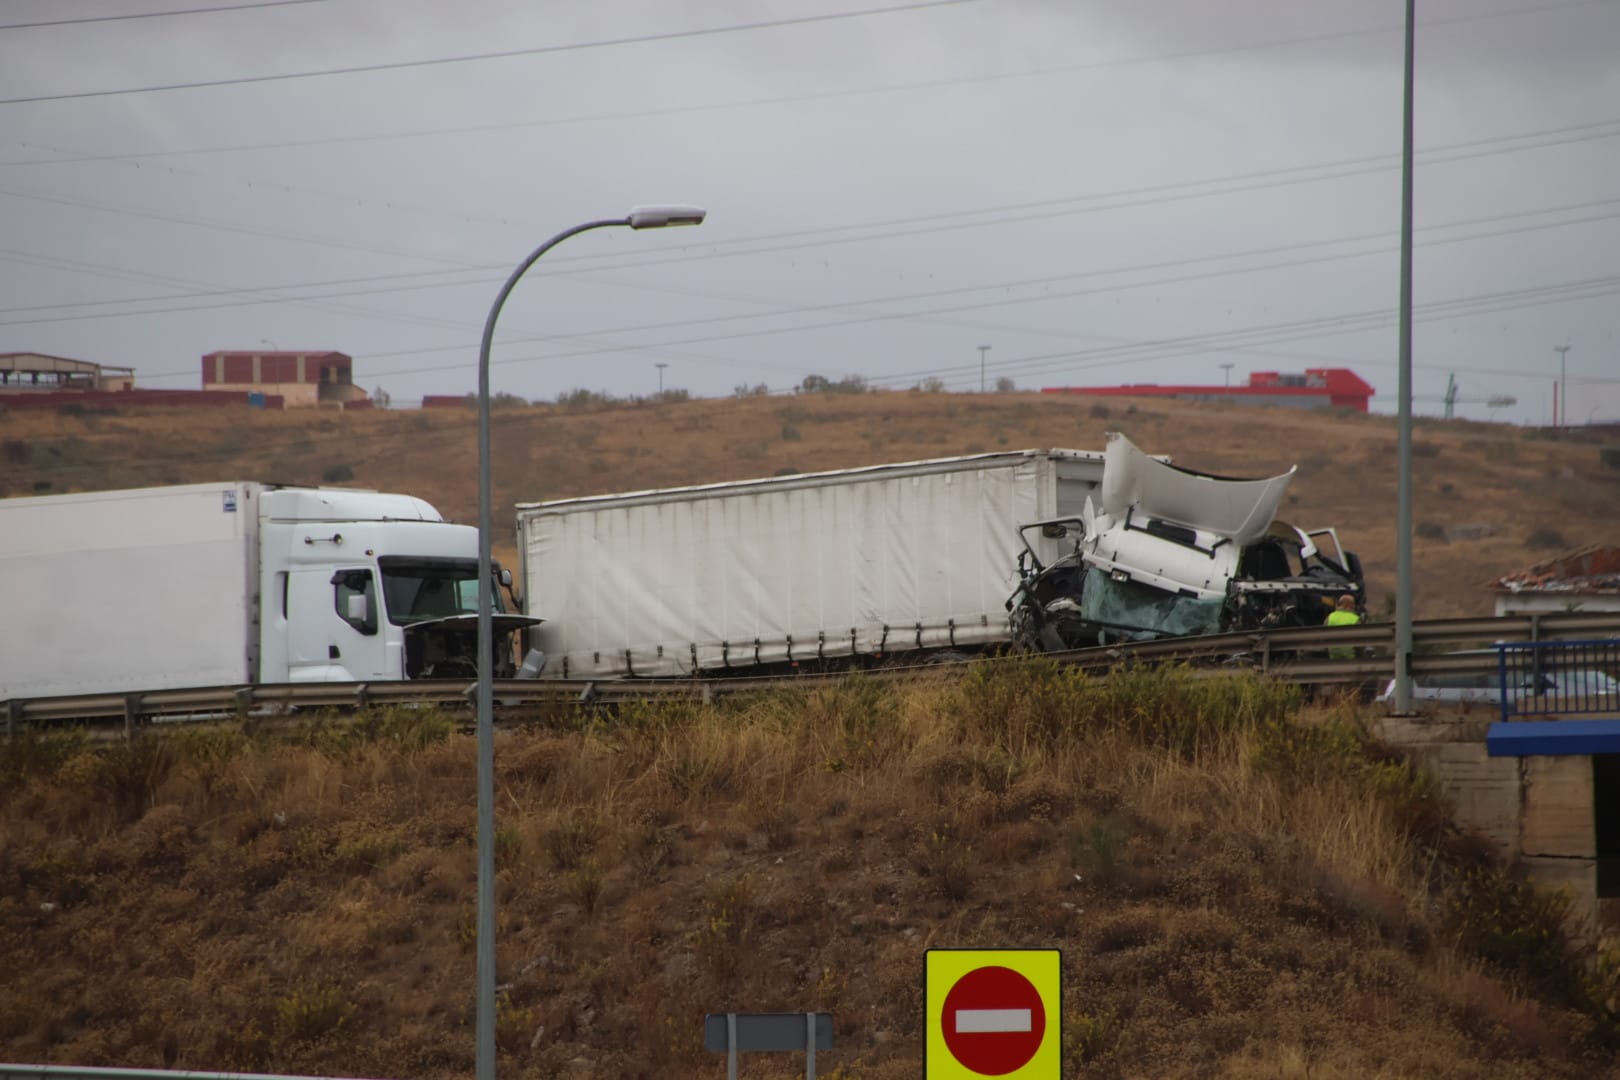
(335, 626)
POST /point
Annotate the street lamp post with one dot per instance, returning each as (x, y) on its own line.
(1561, 420)
(641, 217)
(660, 365)
(982, 350)
(1227, 367)
(1403, 502)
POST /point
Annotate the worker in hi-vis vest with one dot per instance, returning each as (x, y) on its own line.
(1343, 614)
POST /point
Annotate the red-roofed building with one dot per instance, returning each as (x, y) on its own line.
(1317, 388)
(300, 378)
(1584, 580)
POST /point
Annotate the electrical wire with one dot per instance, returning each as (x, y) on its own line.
(155, 14)
(507, 54)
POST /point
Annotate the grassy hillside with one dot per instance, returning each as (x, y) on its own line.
(1488, 498)
(1238, 888)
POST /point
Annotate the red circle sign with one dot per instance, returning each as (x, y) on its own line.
(993, 1021)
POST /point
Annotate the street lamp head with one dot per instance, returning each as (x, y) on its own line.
(659, 217)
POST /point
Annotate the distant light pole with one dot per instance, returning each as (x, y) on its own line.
(641, 217)
(982, 350)
(1561, 419)
(660, 365)
(1227, 367)
(1403, 508)
(267, 341)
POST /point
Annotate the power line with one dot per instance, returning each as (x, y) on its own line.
(1301, 329)
(928, 84)
(669, 347)
(155, 14)
(508, 54)
(819, 237)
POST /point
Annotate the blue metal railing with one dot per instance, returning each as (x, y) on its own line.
(1559, 678)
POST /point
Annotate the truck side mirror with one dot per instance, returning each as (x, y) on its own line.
(506, 577)
(357, 608)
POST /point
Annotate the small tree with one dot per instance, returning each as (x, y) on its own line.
(1004, 385)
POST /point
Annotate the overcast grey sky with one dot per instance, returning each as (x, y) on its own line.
(1101, 192)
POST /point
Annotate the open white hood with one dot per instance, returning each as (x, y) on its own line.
(1238, 510)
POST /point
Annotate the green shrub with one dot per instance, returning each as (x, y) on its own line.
(337, 474)
(1512, 924)
(581, 398)
(130, 773)
(1032, 702)
(312, 1010)
(31, 753)
(572, 839)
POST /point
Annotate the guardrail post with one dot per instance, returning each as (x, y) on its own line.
(14, 711)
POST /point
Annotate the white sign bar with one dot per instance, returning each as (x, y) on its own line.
(992, 1020)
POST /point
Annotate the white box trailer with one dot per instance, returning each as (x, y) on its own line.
(869, 561)
(231, 583)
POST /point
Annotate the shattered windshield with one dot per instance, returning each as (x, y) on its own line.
(1140, 611)
(419, 588)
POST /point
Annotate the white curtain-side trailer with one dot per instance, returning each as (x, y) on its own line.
(231, 583)
(867, 562)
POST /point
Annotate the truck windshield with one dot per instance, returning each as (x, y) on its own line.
(420, 588)
(1142, 612)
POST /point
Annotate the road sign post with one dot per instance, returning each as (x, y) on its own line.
(993, 1012)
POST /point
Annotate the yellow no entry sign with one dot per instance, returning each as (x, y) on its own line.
(993, 1012)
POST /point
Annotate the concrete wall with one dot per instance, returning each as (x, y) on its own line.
(1536, 810)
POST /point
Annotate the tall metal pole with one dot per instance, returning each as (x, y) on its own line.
(1227, 367)
(982, 350)
(660, 365)
(640, 218)
(1561, 417)
(1403, 524)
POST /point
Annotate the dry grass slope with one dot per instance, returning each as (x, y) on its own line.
(1488, 498)
(1240, 886)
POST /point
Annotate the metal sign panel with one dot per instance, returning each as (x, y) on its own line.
(766, 1032)
(993, 1012)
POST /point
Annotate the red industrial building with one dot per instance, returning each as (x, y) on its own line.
(1317, 388)
(300, 378)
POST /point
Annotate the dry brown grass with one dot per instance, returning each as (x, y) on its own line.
(1239, 888)
(1512, 480)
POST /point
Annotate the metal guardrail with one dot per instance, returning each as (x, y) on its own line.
(1298, 654)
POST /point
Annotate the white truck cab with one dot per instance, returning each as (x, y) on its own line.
(237, 582)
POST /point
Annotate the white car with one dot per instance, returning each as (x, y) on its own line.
(1580, 686)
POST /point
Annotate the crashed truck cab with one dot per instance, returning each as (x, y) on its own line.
(1164, 551)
